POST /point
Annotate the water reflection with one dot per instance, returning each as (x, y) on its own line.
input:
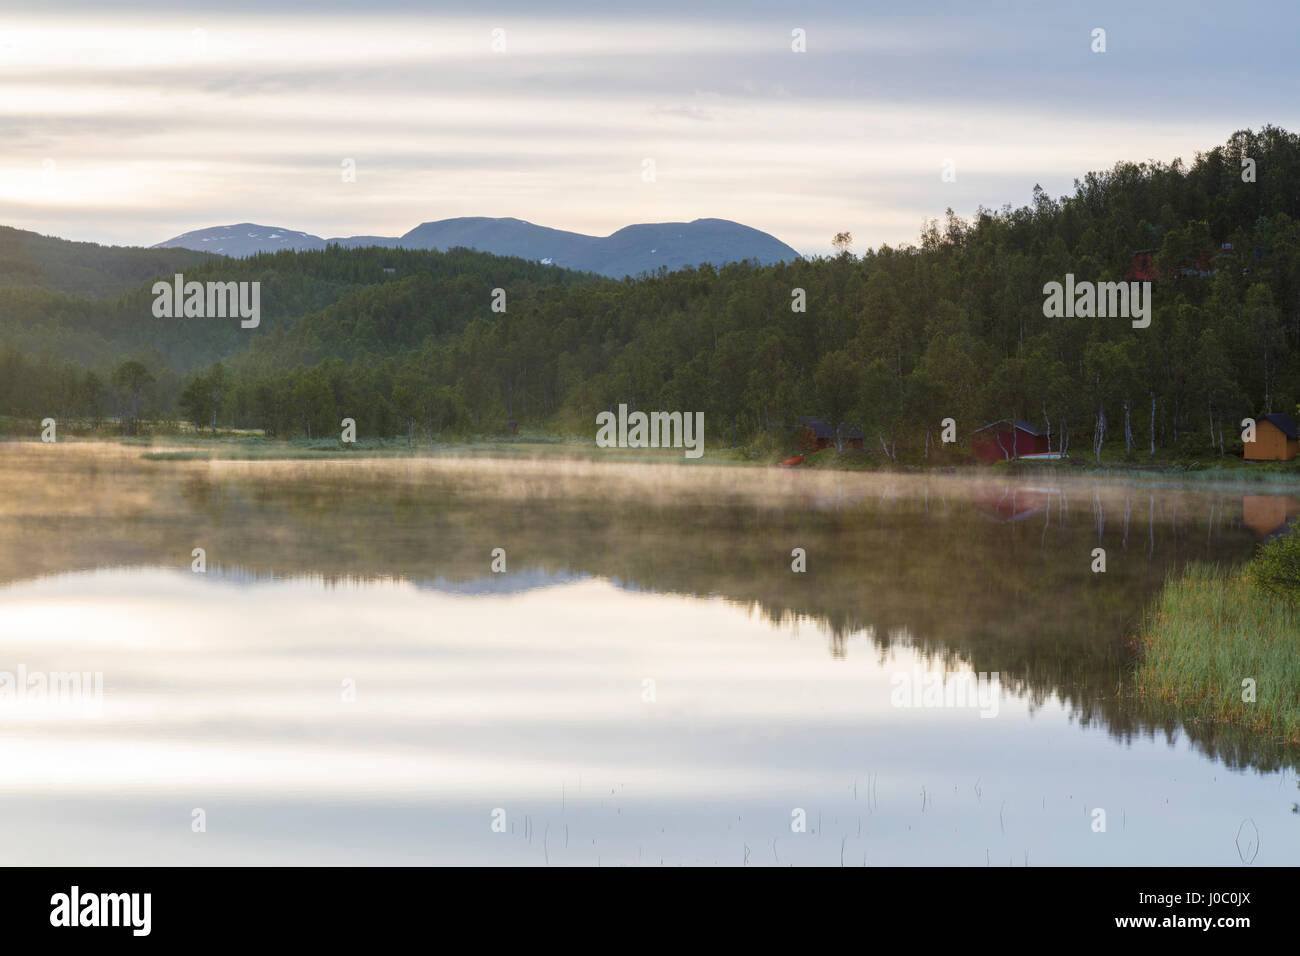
(228, 698)
(1267, 515)
(477, 690)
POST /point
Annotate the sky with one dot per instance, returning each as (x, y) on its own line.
(129, 123)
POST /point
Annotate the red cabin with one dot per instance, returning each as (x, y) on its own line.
(1004, 440)
(1142, 267)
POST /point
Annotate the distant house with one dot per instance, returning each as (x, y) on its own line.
(1276, 439)
(1201, 263)
(390, 270)
(1141, 269)
(512, 427)
(851, 435)
(1005, 439)
(814, 434)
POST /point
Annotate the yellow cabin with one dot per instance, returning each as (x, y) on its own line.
(1276, 439)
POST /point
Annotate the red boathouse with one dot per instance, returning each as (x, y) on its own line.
(1003, 440)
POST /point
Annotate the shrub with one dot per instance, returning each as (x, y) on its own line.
(1277, 566)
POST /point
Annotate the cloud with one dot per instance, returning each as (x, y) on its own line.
(150, 121)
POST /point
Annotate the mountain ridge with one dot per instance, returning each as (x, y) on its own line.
(630, 251)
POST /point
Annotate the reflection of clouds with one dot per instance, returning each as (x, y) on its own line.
(239, 683)
(225, 694)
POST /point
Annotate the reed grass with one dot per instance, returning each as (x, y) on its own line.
(1210, 630)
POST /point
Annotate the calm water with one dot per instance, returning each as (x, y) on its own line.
(647, 683)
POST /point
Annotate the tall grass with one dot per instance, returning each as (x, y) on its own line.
(1211, 629)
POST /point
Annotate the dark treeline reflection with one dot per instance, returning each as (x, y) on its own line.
(993, 574)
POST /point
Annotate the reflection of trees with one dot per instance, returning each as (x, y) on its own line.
(971, 581)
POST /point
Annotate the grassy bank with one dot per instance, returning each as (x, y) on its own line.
(1212, 628)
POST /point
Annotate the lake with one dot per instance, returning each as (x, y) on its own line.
(641, 680)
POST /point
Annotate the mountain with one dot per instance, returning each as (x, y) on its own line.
(245, 239)
(630, 251)
(506, 237)
(646, 247)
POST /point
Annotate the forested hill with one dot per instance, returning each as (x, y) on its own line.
(894, 340)
(29, 260)
(99, 333)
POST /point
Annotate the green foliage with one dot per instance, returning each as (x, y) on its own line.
(131, 378)
(1277, 566)
(83, 268)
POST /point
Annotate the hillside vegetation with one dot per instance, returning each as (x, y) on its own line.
(894, 339)
(82, 268)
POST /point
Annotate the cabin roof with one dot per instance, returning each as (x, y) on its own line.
(816, 426)
(1020, 423)
(850, 431)
(1283, 423)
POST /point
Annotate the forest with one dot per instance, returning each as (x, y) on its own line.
(408, 343)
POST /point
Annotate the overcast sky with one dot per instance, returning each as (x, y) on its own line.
(129, 123)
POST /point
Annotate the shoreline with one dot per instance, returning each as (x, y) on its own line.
(1230, 474)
